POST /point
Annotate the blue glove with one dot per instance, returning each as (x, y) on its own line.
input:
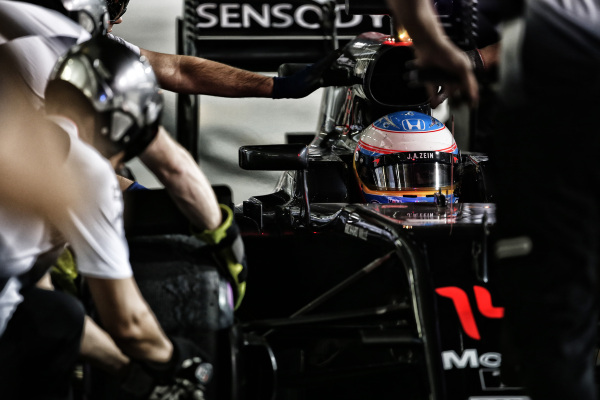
(136, 186)
(304, 82)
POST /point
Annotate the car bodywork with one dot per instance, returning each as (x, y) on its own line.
(346, 299)
(355, 300)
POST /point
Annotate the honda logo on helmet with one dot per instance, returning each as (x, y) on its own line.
(413, 124)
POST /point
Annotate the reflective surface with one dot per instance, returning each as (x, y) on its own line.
(423, 214)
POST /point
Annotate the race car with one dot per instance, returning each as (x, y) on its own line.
(370, 271)
(371, 274)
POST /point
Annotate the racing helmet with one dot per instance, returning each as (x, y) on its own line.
(120, 86)
(406, 157)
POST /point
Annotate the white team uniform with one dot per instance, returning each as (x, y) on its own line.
(94, 229)
(37, 37)
(22, 237)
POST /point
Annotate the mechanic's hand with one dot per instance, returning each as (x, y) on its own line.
(478, 69)
(229, 252)
(184, 377)
(190, 382)
(303, 83)
(452, 62)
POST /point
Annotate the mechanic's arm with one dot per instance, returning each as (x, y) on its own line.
(94, 228)
(124, 183)
(182, 178)
(128, 319)
(490, 55)
(195, 75)
(100, 350)
(433, 47)
(483, 60)
(97, 346)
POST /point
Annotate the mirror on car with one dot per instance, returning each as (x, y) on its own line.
(274, 157)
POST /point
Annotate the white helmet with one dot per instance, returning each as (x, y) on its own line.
(406, 157)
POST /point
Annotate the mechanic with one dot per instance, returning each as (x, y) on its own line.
(150, 361)
(434, 49)
(174, 167)
(20, 231)
(548, 251)
(195, 75)
(38, 38)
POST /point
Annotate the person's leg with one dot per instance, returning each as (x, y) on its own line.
(40, 346)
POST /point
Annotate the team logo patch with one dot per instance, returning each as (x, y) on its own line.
(413, 124)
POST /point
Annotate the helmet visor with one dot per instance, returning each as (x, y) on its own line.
(406, 171)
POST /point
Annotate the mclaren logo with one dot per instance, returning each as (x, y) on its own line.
(470, 359)
(413, 124)
(460, 299)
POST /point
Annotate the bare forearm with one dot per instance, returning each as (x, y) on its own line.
(434, 49)
(98, 348)
(124, 183)
(192, 192)
(142, 338)
(128, 319)
(194, 75)
(182, 178)
(490, 55)
(209, 77)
